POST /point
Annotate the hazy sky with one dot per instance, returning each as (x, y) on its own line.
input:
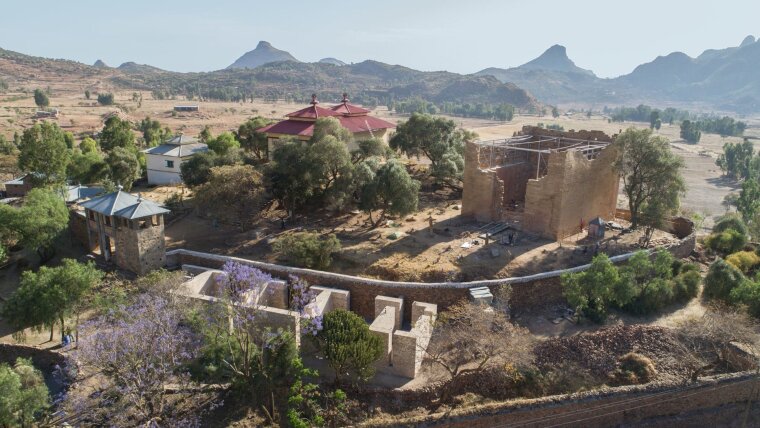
(607, 36)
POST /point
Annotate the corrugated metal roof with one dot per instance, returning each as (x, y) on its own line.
(349, 109)
(75, 193)
(16, 181)
(177, 150)
(144, 208)
(123, 204)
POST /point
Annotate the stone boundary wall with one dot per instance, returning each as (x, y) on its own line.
(712, 401)
(528, 291)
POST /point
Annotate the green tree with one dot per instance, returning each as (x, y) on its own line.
(439, 140)
(348, 345)
(68, 138)
(86, 168)
(3, 254)
(253, 141)
(87, 94)
(43, 152)
(224, 144)
(594, 290)
(371, 148)
(124, 167)
(23, 394)
(116, 133)
(330, 160)
(690, 131)
(232, 193)
(555, 112)
(7, 147)
(736, 159)
(291, 175)
(37, 223)
(651, 174)
(390, 190)
(654, 119)
(48, 296)
(88, 145)
(153, 134)
(105, 99)
(726, 242)
(330, 126)
(308, 249)
(41, 98)
(748, 203)
(205, 136)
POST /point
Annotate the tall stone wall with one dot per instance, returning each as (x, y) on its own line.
(482, 196)
(718, 401)
(529, 291)
(141, 250)
(575, 189)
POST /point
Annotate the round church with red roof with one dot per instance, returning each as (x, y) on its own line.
(300, 124)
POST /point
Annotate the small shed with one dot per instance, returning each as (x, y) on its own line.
(596, 228)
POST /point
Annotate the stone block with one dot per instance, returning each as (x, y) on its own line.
(381, 302)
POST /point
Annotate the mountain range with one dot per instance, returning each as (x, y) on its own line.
(724, 79)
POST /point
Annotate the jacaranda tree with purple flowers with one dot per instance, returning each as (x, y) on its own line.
(261, 363)
(302, 298)
(140, 350)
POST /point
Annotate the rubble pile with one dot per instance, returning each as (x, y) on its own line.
(598, 351)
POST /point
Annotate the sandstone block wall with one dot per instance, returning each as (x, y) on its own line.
(574, 189)
(482, 196)
(383, 327)
(717, 401)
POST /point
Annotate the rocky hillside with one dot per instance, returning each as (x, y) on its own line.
(263, 54)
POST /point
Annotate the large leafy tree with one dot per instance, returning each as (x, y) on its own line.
(233, 193)
(330, 126)
(41, 98)
(291, 175)
(736, 160)
(37, 223)
(87, 167)
(690, 131)
(651, 174)
(592, 291)
(153, 134)
(124, 166)
(390, 189)
(251, 140)
(439, 140)
(116, 133)
(43, 152)
(224, 144)
(23, 394)
(50, 295)
(748, 203)
(348, 345)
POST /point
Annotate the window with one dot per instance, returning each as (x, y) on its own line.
(170, 164)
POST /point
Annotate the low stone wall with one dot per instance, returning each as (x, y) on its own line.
(715, 401)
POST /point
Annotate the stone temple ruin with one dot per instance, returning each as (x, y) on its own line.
(403, 348)
(541, 181)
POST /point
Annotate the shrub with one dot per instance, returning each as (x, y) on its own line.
(105, 99)
(348, 345)
(747, 293)
(3, 254)
(726, 242)
(686, 285)
(655, 295)
(633, 369)
(307, 249)
(745, 261)
(721, 279)
(730, 222)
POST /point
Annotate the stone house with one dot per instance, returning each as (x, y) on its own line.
(126, 229)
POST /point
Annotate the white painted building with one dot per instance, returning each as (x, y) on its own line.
(163, 162)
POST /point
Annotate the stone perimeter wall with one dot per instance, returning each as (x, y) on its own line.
(716, 401)
(528, 291)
